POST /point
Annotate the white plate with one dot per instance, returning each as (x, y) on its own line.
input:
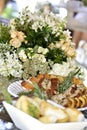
(15, 88)
(26, 122)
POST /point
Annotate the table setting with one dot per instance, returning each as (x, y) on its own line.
(38, 70)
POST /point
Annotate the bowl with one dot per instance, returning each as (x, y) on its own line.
(26, 122)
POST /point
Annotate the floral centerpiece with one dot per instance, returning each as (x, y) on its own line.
(36, 43)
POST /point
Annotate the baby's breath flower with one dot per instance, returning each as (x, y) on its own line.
(10, 65)
(40, 57)
(22, 55)
(65, 68)
(42, 50)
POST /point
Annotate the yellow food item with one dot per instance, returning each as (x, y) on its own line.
(76, 102)
(49, 110)
(74, 115)
(28, 106)
(72, 103)
(48, 119)
(46, 112)
(22, 103)
(83, 101)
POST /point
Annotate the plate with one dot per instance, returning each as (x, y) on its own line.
(15, 88)
(24, 121)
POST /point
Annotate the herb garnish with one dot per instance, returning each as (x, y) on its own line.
(38, 92)
(67, 81)
(27, 93)
(35, 92)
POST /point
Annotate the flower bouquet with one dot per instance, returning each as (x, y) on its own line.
(35, 43)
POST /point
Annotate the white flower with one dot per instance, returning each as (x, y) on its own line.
(35, 26)
(58, 44)
(67, 33)
(10, 65)
(51, 46)
(30, 49)
(65, 68)
(39, 57)
(22, 55)
(59, 69)
(42, 50)
(45, 51)
(12, 24)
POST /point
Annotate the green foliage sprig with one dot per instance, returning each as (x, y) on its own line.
(7, 96)
(4, 33)
(67, 82)
(56, 55)
(37, 91)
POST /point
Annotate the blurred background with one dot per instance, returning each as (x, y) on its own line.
(10, 8)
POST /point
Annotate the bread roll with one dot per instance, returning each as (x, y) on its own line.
(29, 106)
(74, 115)
(49, 110)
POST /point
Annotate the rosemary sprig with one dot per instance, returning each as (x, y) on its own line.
(27, 93)
(67, 82)
(38, 92)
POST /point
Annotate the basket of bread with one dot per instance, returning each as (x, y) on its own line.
(29, 113)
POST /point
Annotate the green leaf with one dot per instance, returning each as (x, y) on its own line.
(56, 55)
(4, 33)
(7, 96)
(27, 93)
(38, 92)
(67, 82)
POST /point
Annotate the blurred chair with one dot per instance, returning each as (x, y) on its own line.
(4, 21)
(74, 7)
